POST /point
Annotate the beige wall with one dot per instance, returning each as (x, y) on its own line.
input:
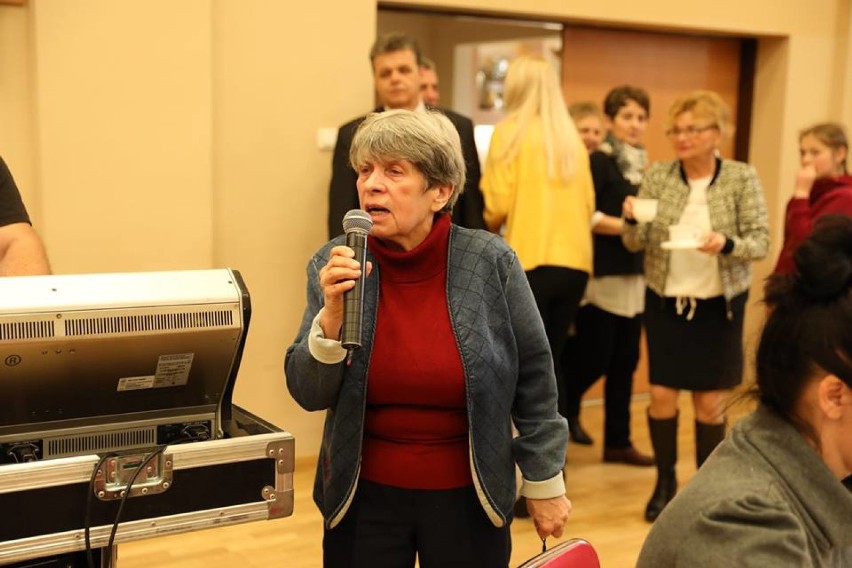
(159, 135)
(124, 109)
(280, 74)
(844, 71)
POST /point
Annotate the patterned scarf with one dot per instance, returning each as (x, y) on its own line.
(632, 161)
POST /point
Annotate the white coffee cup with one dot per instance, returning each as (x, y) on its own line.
(644, 210)
(684, 233)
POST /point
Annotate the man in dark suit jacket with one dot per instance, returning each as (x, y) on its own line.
(396, 58)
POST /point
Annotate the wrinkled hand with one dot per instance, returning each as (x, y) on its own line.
(627, 207)
(549, 515)
(337, 277)
(713, 243)
(804, 182)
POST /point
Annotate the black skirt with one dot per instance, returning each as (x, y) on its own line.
(699, 354)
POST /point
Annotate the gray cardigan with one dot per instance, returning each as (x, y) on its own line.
(764, 498)
(508, 378)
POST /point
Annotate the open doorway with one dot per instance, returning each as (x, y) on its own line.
(591, 60)
(442, 35)
(471, 55)
(470, 52)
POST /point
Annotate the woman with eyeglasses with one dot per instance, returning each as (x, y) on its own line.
(711, 223)
(823, 186)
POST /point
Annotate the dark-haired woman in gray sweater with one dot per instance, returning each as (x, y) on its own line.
(773, 493)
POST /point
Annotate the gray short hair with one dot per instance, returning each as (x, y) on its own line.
(427, 139)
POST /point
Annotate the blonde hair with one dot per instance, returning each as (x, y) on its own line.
(706, 105)
(532, 92)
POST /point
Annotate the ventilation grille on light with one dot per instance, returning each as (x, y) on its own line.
(93, 443)
(147, 322)
(25, 330)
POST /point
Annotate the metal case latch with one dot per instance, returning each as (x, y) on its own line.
(115, 473)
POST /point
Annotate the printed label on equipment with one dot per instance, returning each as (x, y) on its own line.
(173, 370)
(135, 383)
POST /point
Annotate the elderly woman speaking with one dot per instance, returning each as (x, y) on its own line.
(418, 456)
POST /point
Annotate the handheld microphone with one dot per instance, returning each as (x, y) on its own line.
(356, 224)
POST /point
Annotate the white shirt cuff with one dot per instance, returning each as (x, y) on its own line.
(547, 489)
(328, 351)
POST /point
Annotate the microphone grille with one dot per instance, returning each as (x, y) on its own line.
(357, 220)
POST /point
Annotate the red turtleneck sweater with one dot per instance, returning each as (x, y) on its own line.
(828, 195)
(416, 433)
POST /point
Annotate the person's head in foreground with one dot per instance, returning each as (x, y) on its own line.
(773, 494)
(804, 362)
(410, 167)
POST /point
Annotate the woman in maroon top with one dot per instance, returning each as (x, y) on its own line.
(417, 459)
(823, 186)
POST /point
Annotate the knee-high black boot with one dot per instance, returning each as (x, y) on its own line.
(707, 437)
(664, 439)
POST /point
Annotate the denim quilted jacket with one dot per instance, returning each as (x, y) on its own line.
(508, 378)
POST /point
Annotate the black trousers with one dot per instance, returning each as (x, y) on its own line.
(385, 527)
(605, 344)
(558, 292)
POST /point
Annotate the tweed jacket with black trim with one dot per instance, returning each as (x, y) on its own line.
(737, 210)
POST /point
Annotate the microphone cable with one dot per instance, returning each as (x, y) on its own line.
(108, 549)
(87, 521)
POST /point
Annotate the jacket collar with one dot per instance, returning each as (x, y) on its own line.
(715, 172)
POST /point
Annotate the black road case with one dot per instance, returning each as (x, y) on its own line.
(47, 505)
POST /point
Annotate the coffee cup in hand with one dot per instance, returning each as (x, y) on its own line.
(644, 210)
(684, 233)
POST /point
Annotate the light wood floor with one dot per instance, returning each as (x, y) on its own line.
(609, 501)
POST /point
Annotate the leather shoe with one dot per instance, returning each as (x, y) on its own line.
(576, 433)
(629, 456)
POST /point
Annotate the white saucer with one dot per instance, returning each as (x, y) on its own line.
(680, 245)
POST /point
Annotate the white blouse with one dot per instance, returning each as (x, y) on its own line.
(694, 274)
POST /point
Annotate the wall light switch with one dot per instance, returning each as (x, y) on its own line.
(326, 138)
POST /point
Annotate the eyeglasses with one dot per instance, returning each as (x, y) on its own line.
(689, 131)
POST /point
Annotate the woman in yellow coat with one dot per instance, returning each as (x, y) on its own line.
(538, 190)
